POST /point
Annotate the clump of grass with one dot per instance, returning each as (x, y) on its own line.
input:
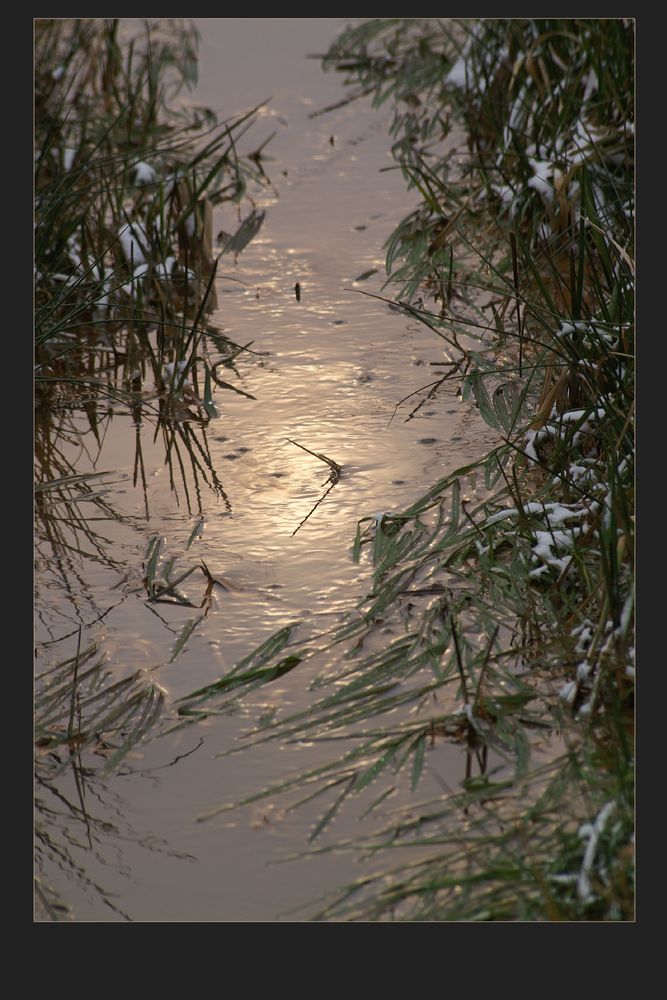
(80, 705)
(548, 109)
(549, 122)
(91, 717)
(126, 180)
(511, 613)
(88, 722)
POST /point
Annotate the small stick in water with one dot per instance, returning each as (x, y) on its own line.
(297, 291)
(334, 466)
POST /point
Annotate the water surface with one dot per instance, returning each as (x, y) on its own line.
(327, 371)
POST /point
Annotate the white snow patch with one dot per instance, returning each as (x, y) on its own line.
(626, 614)
(177, 367)
(591, 84)
(580, 473)
(583, 671)
(585, 633)
(458, 74)
(531, 440)
(542, 171)
(568, 692)
(547, 544)
(133, 238)
(591, 832)
(139, 272)
(144, 174)
(166, 268)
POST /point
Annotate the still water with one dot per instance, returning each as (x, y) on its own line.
(325, 370)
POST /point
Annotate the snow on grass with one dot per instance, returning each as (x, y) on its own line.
(144, 174)
(134, 239)
(591, 832)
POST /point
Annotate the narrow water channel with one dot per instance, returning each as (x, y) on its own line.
(325, 370)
